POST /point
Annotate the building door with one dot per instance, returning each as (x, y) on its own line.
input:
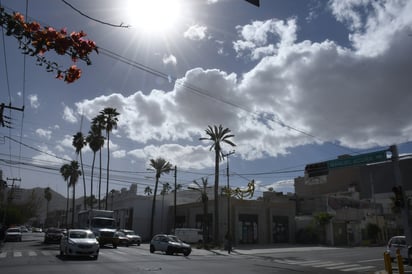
(248, 229)
(280, 229)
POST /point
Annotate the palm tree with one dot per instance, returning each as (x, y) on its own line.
(217, 135)
(165, 190)
(110, 120)
(202, 189)
(65, 172)
(96, 142)
(98, 122)
(148, 190)
(74, 177)
(79, 143)
(48, 197)
(160, 166)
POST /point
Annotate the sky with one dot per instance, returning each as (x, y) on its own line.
(296, 82)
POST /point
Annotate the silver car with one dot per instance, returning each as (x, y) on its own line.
(79, 242)
(399, 242)
(169, 244)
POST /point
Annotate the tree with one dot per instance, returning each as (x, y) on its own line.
(65, 172)
(109, 119)
(148, 190)
(96, 142)
(322, 219)
(71, 173)
(98, 122)
(202, 189)
(165, 190)
(217, 135)
(35, 41)
(48, 197)
(160, 166)
(79, 143)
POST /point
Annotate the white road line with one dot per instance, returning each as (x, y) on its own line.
(343, 266)
(306, 262)
(357, 268)
(32, 253)
(372, 260)
(17, 254)
(3, 255)
(328, 265)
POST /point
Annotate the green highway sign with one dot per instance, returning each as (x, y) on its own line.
(361, 159)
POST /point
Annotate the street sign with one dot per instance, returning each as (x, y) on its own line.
(361, 159)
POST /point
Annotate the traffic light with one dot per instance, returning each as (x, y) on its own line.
(399, 202)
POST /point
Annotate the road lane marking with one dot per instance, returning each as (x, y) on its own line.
(32, 253)
(357, 268)
(343, 266)
(17, 254)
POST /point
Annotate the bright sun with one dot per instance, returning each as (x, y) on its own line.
(153, 16)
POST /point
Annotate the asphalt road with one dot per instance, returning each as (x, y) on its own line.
(33, 256)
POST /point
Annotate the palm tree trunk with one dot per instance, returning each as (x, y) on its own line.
(216, 201)
(73, 204)
(100, 176)
(84, 181)
(67, 206)
(108, 161)
(153, 208)
(91, 181)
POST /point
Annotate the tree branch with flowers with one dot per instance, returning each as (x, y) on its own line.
(35, 41)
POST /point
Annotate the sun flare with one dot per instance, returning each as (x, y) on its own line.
(153, 16)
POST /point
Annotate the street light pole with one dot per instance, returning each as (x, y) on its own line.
(174, 209)
(228, 234)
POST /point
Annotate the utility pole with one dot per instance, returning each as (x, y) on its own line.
(228, 234)
(174, 208)
(398, 182)
(3, 122)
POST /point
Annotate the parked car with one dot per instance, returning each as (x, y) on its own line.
(24, 229)
(133, 237)
(169, 244)
(13, 234)
(399, 242)
(123, 240)
(36, 229)
(79, 242)
(53, 235)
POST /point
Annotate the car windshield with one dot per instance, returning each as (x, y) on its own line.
(173, 238)
(13, 230)
(103, 223)
(129, 233)
(80, 235)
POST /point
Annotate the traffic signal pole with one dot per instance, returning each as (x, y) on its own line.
(398, 182)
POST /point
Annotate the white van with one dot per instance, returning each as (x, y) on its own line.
(189, 235)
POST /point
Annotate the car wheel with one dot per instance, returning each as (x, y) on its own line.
(152, 249)
(169, 251)
(95, 257)
(114, 246)
(186, 253)
(410, 257)
(61, 253)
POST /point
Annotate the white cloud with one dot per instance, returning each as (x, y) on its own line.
(256, 37)
(44, 133)
(170, 59)
(69, 115)
(195, 32)
(119, 153)
(34, 101)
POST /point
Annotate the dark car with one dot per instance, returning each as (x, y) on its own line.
(53, 235)
(133, 237)
(170, 244)
(13, 234)
(123, 240)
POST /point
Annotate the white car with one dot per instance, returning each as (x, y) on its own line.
(13, 234)
(132, 236)
(399, 242)
(79, 242)
(170, 244)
